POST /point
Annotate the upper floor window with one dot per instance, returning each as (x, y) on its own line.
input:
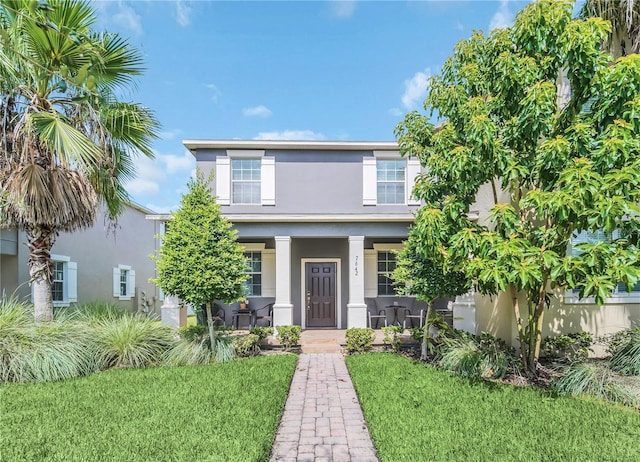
(254, 270)
(391, 181)
(386, 265)
(592, 238)
(245, 181)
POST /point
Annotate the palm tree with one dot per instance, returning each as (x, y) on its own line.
(624, 16)
(68, 141)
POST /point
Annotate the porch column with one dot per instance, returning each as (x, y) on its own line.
(356, 308)
(283, 309)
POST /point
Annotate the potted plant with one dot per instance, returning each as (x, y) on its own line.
(244, 302)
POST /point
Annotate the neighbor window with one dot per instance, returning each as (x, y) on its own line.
(600, 236)
(57, 287)
(124, 282)
(254, 270)
(390, 181)
(245, 181)
(386, 265)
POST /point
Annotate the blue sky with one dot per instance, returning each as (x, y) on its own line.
(332, 70)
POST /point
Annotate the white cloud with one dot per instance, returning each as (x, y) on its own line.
(169, 134)
(149, 174)
(175, 164)
(127, 17)
(457, 25)
(297, 135)
(502, 18)
(395, 112)
(343, 9)
(216, 93)
(183, 12)
(415, 89)
(257, 111)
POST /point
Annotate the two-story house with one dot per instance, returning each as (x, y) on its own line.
(319, 221)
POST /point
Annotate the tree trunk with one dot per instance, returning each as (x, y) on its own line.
(425, 332)
(40, 241)
(523, 345)
(212, 334)
(536, 328)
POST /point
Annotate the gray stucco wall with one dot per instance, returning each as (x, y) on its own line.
(320, 182)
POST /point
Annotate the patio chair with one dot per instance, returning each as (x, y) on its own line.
(382, 314)
(408, 315)
(267, 314)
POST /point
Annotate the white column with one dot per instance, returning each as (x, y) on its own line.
(356, 308)
(283, 309)
(170, 311)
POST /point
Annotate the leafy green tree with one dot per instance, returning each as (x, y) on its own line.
(68, 141)
(425, 278)
(624, 16)
(551, 165)
(200, 260)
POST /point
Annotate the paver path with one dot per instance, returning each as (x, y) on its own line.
(322, 420)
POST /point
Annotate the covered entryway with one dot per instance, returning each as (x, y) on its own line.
(320, 294)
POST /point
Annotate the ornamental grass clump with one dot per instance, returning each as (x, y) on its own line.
(31, 352)
(483, 356)
(131, 341)
(625, 352)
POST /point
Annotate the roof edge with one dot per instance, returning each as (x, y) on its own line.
(193, 145)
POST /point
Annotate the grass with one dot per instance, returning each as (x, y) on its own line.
(220, 412)
(417, 412)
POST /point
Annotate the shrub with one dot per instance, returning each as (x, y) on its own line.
(32, 352)
(262, 332)
(618, 340)
(588, 378)
(247, 345)
(626, 355)
(481, 356)
(359, 339)
(570, 347)
(288, 336)
(131, 341)
(188, 353)
(193, 332)
(390, 336)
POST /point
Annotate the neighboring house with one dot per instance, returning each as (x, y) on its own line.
(102, 263)
(319, 222)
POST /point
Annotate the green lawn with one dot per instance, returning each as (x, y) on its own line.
(416, 412)
(222, 412)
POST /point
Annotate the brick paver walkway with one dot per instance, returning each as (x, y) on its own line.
(322, 420)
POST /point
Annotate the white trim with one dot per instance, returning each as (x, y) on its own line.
(412, 171)
(268, 181)
(620, 298)
(253, 246)
(303, 282)
(391, 155)
(63, 258)
(192, 145)
(223, 180)
(240, 153)
(369, 181)
(313, 218)
(116, 282)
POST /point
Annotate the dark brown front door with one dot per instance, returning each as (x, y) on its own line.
(321, 294)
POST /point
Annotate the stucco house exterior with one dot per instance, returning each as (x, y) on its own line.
(102, 263)
(319, 221)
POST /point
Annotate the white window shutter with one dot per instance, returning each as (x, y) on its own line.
(413, 169)
(223, 180)
(268, 181)
(269, 273)
(131, 284)
(370, 273)
(116, 282)
(72, 282)
(369, 181)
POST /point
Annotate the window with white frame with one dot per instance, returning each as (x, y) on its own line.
(245, 181)
(390, 176)
(64, 284)
(386, 265)
(254, 270)
(124, 282)
(592, 238)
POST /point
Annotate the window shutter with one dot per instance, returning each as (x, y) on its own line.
(116, 282)
(268, 181)
(223, 180)
(369, 181)
(72, 282)
(413, 169)
(131, 284)
(370, 273)
(269, 273)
